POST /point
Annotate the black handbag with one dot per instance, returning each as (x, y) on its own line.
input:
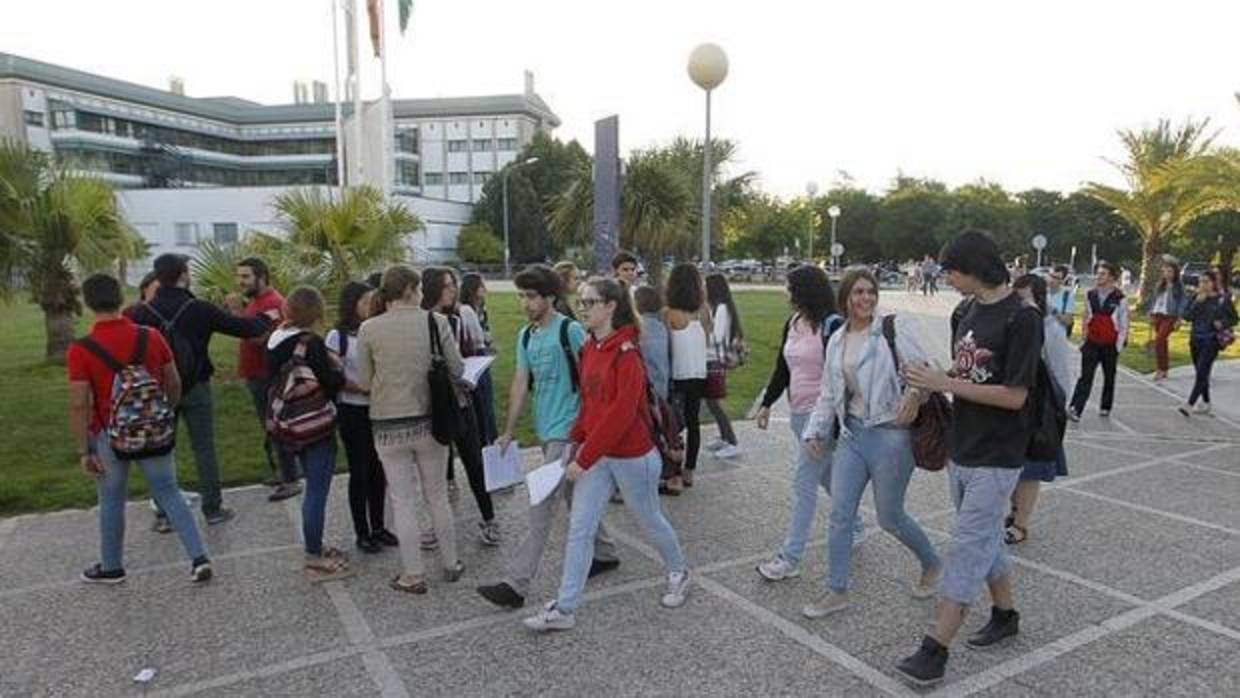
(1048, 418)
(447, 422)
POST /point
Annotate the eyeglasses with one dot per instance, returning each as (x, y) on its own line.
(588, 303)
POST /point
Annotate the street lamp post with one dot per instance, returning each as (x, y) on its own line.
(811, 190)
(504, 187)
(708, 66)
(834, 212)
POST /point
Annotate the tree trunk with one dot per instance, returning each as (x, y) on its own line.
(57, 295)
(654, 270)
(60, 328)
(1226, 263)
(1151, 263)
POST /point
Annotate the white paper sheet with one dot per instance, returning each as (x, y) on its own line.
(475, 366)
(501, 468)
(541, 482)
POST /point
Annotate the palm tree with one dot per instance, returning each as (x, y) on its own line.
(354, 233)
(1168, 187)
(655, 210)
(55, 222)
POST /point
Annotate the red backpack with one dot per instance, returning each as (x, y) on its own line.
(1102, 328)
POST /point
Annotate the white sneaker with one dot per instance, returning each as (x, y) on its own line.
(716, 445)
(677, 589)
(823, 606)
(778, 569)
(728, 451)
(925, 588)
(550, 619)
(1104, 413)
(1202, 408)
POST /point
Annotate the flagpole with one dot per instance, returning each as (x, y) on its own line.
(340, 176)
(386, 126)
(359, 149)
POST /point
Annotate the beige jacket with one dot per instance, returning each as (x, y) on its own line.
(394, 357)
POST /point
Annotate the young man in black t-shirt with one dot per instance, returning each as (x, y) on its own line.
(996, 346)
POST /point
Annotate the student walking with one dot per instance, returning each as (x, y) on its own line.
(548, 363)
(929, 276)
(726, 352)
(569, 278)
(1213, 316)
(440, 293)
(1061, 299)
(624, 268)
(1057, 356)
(799, 371)
(305, 379)
(656, 342)
(688, 321)
(393, 363)
(123, 388)
(476, 334)
(863, 392)
(188, 324)
(367, 487)
(1106, 333)
(613, 450)
(1165, 309)
(996, 344)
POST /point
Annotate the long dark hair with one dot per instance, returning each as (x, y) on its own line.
(1175, 278)
(684, 288)
(470, 283)
(1036, 286)
(434, 281)
(352, 292)
(610, 290)
(811, 294)
(719, 293)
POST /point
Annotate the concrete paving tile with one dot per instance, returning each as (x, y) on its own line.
(343, 678)
(1178, 489)
(1224, 459)
(1221, 606)
(1133, 551)
(1086, 460)
(91, 640)
(627, 646)
(1151, 448)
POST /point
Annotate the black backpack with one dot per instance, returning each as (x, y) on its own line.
(569, 355)
(1048, 417)
(188, 363)
(447, 420)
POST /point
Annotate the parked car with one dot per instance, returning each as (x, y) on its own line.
(1192, 272)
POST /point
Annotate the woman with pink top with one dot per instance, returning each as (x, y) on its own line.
(798, 370)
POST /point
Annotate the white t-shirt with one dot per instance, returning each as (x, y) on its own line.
(854, 345)
(350, 367)
(689, 352)
(721, 332)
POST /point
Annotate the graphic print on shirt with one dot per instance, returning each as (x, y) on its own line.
(972, 362)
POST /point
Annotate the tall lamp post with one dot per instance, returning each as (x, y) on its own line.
(811, 190)
(708, 66)
(504, 187)
(834, 212)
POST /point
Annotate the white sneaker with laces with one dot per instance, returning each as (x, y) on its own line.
(677, 589)
(728, 451)
(1202, 408)
(550, 619)
(778, 569)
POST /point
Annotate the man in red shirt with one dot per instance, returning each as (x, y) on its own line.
(114, 341)
(253, 279)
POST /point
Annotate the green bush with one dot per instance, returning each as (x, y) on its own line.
(478, 244)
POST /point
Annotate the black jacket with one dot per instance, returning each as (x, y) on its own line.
(331, 379)
(1204, 315)
(197, 324)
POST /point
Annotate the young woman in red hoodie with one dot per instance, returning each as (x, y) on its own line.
(614, 450)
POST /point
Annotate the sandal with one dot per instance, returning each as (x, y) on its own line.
(671, 487)
(327, 568)
(1015, 534)
(417, 586)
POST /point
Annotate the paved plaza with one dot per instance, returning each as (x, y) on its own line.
(1128, 585)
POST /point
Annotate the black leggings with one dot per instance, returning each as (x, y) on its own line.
(367, 485)
(688, 395)
(468, 445)
(1204, 351)
(1093, 355)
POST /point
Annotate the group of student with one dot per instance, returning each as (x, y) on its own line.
(858, 381)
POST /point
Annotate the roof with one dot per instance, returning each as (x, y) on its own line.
(244, 112)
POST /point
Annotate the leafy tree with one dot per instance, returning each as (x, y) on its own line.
(912, 218)
(478, 244)
(854, 229)
(289, 265)
(767, 227)
(986, 206)
(53, 223)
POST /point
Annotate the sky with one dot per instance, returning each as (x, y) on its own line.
(1026, 94)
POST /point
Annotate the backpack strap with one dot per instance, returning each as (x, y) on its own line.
(569, 356)
(89, 344)
(436, 344)
(139, 349)
(889, 334)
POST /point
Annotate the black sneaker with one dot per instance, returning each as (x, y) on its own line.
(284, 490)
(200, 570)
(219, 516)
(96, 575)
(1002, 625)
(598, 566)
(926, 666)
(385, 537)
(369, 545)
(502, 595)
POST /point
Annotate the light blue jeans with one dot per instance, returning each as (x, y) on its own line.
(112, 487)
(638, 480)
(882, 456)
(810, 473)
(978, 554)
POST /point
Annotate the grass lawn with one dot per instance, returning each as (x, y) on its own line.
(38, 462)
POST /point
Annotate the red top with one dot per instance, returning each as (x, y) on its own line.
(613, 421)
(252, 364)
(117, 337)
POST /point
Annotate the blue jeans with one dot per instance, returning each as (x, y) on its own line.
(811, 473)
(638, 480)
(978, 554)
(318, 461)
(279, 459)
(161, 475)
(197, 410)
(883, 456)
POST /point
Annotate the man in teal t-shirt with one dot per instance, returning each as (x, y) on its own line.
(544, 365)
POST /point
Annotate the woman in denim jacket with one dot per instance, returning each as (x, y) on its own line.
(1164, 309)
(862, 388)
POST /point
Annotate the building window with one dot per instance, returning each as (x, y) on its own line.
(482, 145)
(187, 234)
(64, 118)
(407, 173)
(458, 146)
(458, 178)
(34, 118)
(481, 177)
(407, 142)
(225, 233)
(507, 144)
(433, 178)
